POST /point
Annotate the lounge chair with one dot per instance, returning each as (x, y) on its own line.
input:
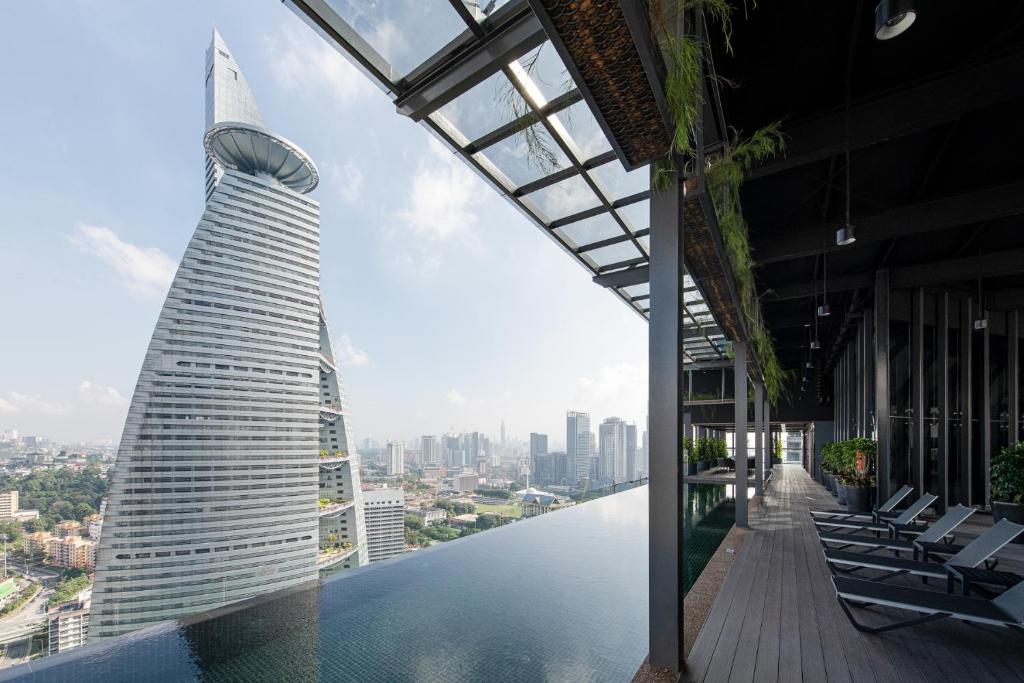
(904, 524)
(936, 533)
(882, 511)
(1004, 610)
(973, 554)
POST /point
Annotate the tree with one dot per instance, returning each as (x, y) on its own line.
(413, 522)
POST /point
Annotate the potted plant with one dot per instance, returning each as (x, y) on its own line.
(857, 478)
(700, 454)
(689, 457)
(721, 452)
(1008, 484)
(828, 464)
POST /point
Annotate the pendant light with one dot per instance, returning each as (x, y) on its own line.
(981, 322)
(893, 17)
(815, 344)
(847, 235)
(823, 309)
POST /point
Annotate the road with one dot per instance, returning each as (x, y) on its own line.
(28, 619)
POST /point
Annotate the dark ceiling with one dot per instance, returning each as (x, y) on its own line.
(936, 151)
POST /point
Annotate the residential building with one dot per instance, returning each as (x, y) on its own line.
(467, 519)
(93, 524)
(37, 542)
(536, 502)
(68, 623)
(577, 443)
(219, 359)
(429, 516)
(8, 504)
(396, 458)
(632, 459)
(612, 455)
(431, 449)
(72, 552)
(68, 527)
(466, 482)
(384, 512)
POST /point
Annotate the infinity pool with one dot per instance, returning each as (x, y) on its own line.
(561, 597)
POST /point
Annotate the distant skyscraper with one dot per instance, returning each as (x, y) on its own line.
(384, 510)
(431, 450)
(632, 459)
(396, 457)
(503, 442)
(538, 447)
(229, 397)
(612, 458)
(577, 443)
(472, 449)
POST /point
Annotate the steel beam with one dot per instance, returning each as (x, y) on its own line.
(906, 111)
(972, 207)
(665, 374)
(740, 452)
(625, 278)
(882, 423)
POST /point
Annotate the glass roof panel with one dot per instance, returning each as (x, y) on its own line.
(579, 129)
(404, 32)
(613, 253)
(638, 290)
(526, 156)
(481, 13)
(646, 242)
(590, 230)
(547, 75)
(637, 215)
(564, 198)
(484, 108)
(617, 183)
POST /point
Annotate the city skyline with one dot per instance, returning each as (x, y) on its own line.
(100, 265)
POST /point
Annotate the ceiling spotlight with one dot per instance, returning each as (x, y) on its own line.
(846, 235)
(824, 311)
(815, 345)
(893, 17)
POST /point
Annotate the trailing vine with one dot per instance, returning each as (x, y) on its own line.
(684, 97)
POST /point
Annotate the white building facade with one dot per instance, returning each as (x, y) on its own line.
(384, 511)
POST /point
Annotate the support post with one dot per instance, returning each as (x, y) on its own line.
(768, 443)
(942, 419)
(740, 451)
(1013, 376)
(985, 415)
(918, 446)
(758, 438)
(966, 456)
(665, 348)
(884, 474)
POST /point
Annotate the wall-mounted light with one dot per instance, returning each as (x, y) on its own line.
(810, 365)
(824, 311)
(980, 323)
(815, 345)
(893, 17)
(846, 235)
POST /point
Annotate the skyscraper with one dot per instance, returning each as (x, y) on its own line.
(431, 449)
(396, 457)
(385, 522)
(612, 454)
(577, 443)
(632, 459)
(214, 492)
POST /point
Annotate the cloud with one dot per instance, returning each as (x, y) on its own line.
(348, 354)
(15, 402)
(144, 272)
(348, 181)
(444, 195)
(455, 398)
(305, 62)
(615, 389)
(97, 394)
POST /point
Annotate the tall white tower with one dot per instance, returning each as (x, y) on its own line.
(215, 489)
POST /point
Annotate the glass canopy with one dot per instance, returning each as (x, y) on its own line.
(483, 77)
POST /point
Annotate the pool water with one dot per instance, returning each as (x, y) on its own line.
(560, 597)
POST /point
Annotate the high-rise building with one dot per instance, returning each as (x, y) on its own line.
(8, 504)
(431, 450)
(538, 447)
(396, 458)
(214, 492)
(632, 461)
(612, 458)
(577, 443)
(384, 510)
(68, 623)
(472, 448)
(645, 465)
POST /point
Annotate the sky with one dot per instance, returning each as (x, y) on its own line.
(448, 308)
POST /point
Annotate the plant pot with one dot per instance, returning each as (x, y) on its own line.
(832, 484)
(691, 468)
(826, 481)
(702, 466)
(840, 492)
(723, 462)
(858, 498)
(1011, 511)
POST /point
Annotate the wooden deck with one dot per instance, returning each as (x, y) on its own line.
(777, 619)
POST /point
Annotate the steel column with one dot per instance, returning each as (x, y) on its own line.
(917, 417)
(665, 374)
(967, 403)
(985, 415)
(942, 369)
(758, 438)
(867, 374)
(882, 424)
(1013, 375)
(740, 452)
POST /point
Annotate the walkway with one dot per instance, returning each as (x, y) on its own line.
(777, 619)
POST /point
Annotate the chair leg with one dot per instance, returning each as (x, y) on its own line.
(875, 630)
